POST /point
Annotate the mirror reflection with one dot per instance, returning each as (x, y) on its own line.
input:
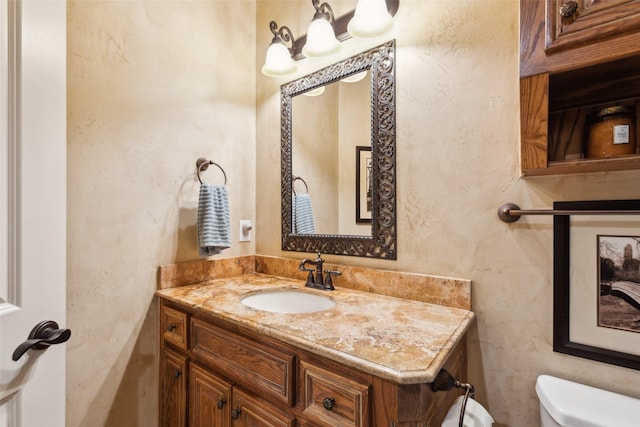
(324, 155)
(338, 158)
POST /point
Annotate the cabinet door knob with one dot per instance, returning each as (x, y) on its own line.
(568, 9)
(221, 403)
(235, 414)
(177, 374)
(328, 403)
(171, 327)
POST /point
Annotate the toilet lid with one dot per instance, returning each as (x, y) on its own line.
(573, 404)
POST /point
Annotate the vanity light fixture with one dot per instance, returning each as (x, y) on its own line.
(279, 61)
(370, 19)
(321, 37)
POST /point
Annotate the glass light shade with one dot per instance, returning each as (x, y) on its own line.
(321, 39)
(370, 19)
(278, 61)
(315, 92)
(355, 78)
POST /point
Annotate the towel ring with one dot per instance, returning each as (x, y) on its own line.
(202, 164)
(296, 178)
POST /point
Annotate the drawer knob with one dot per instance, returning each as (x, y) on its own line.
(235, 414)
(221, 403)
(171, 327)
(328, 403)
(568, 9)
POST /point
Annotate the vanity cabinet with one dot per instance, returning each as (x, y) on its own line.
(217, 373)
(574, 63)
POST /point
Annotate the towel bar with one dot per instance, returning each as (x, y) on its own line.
(202, 164)
(510, 212)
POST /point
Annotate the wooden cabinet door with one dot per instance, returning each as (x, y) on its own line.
(599, 31)
(209, 399)
(249, 412)
(173, 389)
(571, 23)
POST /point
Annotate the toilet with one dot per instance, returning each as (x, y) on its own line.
(568, 404)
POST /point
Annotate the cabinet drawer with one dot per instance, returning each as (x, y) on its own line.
(334, 400)
(173, 325)
(266, 370)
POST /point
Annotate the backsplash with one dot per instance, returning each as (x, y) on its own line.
(451, 292)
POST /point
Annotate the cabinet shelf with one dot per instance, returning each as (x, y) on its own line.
(560, 89)
(561, 167)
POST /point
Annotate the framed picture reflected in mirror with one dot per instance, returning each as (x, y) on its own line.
(364, 194)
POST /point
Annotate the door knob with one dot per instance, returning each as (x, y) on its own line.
(42, 335)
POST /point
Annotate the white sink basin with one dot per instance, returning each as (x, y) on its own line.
(290, 302)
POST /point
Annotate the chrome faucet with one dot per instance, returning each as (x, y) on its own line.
(317, 282)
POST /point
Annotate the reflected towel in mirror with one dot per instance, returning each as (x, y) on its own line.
(214, 224)
(303, 222)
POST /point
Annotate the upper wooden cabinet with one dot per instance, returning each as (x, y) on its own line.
(597, 31)
(576, 58)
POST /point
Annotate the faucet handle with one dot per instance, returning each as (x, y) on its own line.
(328, 282)
(303, 263)
(302, 267)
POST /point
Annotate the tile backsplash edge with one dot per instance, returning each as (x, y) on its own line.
(190, 272)
(451, 292)
(448, 291)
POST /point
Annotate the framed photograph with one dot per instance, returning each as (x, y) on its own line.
(596, 299)
(363, 184)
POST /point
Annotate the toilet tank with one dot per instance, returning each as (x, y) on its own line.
(576, 405)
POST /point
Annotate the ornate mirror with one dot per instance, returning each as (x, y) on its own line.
(338, 158)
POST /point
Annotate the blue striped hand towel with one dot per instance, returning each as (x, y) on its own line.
(214, 224)
(303, 222)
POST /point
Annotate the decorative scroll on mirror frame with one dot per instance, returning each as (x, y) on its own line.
(382, 242)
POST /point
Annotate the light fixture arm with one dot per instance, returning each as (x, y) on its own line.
(323, 10)
(283, 35)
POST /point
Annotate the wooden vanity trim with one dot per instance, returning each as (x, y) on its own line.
(268, 369)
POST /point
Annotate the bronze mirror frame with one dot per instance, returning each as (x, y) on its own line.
(380, 61)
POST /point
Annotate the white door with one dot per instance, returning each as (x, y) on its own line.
(32, 208)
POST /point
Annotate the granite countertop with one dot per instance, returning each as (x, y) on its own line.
(401, 340)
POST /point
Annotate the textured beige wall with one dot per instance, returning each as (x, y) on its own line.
(458, 160)
(152, 86)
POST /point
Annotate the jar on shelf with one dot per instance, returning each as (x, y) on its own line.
(610, 132)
